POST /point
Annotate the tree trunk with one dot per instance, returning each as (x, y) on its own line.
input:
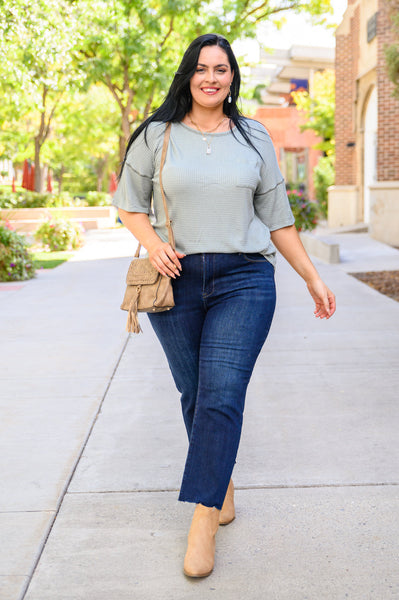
(101, 167)
(126, 109)
(38, 169)
(40, 138)
(125, 134)
(60, 178)
(122, 149)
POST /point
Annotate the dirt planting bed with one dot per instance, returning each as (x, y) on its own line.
(385, 282)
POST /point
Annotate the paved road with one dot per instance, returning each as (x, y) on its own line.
(92, 444)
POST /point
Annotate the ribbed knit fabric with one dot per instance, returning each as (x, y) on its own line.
(226, 201)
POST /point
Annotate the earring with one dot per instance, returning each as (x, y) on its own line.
(229, 98)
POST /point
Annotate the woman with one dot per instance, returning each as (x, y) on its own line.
(229, 209)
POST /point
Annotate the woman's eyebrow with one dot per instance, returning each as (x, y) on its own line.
(216, 66)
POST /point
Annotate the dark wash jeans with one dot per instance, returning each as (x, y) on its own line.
(212, 338)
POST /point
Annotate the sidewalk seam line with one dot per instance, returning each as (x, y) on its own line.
(69, 479)
(245, 488)
(45, 510)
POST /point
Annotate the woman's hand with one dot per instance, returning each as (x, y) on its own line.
(323, 298)
(288, 242)
(165, 259)
(161, 254)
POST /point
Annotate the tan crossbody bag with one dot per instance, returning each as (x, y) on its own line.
(147, 290)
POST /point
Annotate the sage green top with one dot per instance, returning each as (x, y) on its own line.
(226, 201)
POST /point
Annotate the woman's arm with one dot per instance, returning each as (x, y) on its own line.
(288, 242)
(161, 254)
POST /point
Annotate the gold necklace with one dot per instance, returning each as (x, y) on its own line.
(208, 143)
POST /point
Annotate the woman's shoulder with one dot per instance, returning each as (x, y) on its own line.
(148, 140)
(156, 128)
(258, 135)
(254, 127)
(152, 133)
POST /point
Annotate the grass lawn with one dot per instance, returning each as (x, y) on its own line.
(49, 260)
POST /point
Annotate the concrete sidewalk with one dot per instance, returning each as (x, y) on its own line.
(93, 444)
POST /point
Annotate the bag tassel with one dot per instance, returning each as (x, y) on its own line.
(133, 325)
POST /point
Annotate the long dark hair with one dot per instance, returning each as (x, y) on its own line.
(178, 100)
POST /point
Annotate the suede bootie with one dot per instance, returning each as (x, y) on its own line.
(228, 514)
(200, 555)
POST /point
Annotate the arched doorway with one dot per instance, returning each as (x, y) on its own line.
(370, 151)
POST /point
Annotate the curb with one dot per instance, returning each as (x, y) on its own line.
(320, 248)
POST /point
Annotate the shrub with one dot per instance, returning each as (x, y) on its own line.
(28, 199)
(62, 199)
(60, 234)
(304, 211)
(323, 177)
(98, 199)
(23, 199)
(16, 263)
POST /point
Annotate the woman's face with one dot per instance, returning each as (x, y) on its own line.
(211, 81)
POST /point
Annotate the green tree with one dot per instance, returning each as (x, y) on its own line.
(318, 107)
(323, 177)
(14, 134)
(85, 139)
(392, 51)
(133, 47)
(14, 104)
(37, 63)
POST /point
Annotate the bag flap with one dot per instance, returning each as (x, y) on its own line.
(141, 272)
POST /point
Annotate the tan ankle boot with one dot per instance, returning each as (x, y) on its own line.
(200, 556)
(228, 514)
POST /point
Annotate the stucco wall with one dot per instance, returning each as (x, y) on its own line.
(283, 125)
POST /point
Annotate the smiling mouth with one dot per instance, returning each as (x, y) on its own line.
(210, 90)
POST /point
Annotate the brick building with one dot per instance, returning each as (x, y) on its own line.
(367, 124)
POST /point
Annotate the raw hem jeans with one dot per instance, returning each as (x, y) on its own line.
(212, 338)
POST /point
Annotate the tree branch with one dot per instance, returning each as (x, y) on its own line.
(50, 117)
(113, 89)
(129, 101)
(254, 10)
(40, 133)
(277, 10)
(151, 95)
(268, 11)
(167, 35)
(125, 78)
(148, 104)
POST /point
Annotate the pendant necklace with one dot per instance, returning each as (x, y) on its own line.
(205, 133)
